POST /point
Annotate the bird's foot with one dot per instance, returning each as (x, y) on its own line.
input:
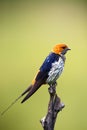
(52, 88)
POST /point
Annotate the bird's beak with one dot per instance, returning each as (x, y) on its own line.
(68, 49)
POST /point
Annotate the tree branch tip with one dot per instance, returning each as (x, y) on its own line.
(62, 105)
(42, 121)
(54, 107)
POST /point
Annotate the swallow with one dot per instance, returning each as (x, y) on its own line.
(48, 73)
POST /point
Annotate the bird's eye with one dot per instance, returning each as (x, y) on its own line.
(64, 47)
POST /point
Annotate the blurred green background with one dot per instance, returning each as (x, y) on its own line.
(28, 31)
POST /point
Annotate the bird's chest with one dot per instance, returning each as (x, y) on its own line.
(55, 71)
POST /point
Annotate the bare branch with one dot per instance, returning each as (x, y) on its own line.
(54, 107)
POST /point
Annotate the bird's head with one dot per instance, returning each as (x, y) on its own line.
(60, 49)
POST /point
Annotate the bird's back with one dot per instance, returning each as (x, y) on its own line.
(47, 64)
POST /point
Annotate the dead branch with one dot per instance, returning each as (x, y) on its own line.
(54, 107)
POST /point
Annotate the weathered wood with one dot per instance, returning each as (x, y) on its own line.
(54, 107)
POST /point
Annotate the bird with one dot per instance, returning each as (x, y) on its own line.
(48, 73)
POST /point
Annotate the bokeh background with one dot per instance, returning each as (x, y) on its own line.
(28, 31)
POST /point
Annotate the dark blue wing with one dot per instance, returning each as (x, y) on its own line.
(41, 76)
(47, 64)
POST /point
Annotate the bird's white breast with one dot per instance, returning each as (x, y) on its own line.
(55, 71)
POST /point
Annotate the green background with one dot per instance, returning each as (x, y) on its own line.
(28, 31)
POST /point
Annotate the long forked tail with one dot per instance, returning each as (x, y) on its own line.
(10, 105)
(34, 88)
(28, 89)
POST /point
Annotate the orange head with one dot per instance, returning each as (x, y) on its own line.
(60, 49)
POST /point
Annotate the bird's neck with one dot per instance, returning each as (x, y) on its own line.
(63, 57)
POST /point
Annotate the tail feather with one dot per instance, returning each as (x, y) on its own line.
(27, 90)
(34, 88)
(11, 105)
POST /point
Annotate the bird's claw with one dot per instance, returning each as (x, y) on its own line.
(52, 88)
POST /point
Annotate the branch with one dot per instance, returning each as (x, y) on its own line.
(54, 107)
